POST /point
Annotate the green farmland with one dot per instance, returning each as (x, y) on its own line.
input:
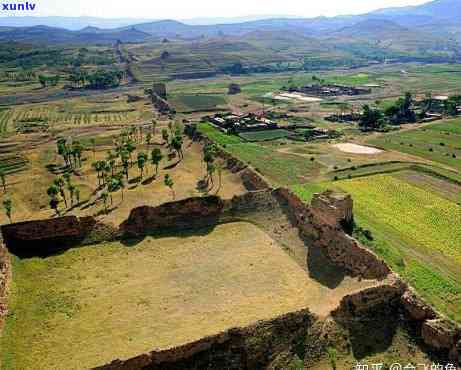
(418, 232)
(438, 142)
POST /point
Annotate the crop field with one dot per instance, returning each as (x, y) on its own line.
(184, 103)
(281, 168)
(417, 231)
(12, 163)
(79, 111)
(118, 301)
(438, 142)
(264, 135)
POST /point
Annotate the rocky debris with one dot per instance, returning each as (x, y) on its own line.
(416, 308)
(187, 213)
(440, 333)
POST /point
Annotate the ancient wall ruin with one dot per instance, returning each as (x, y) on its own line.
(253, 347)
(42, 237)
(187, 213)
(320, 222)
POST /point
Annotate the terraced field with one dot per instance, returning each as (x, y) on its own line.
(78, 112)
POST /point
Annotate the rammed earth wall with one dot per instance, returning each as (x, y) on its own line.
(320, 223)
(253, 347)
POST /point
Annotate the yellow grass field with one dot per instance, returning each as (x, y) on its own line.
(93, 304)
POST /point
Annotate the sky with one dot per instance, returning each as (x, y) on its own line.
(187, 9)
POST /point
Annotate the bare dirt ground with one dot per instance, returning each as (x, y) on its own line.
(356, 148)
(120, 300)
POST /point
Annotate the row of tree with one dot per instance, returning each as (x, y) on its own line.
(99, 79)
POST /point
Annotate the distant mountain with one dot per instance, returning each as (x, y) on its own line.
(89, 35)
(70, 23)
(435, 21)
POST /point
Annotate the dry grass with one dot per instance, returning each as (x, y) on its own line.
(30, 201)
(102, 302)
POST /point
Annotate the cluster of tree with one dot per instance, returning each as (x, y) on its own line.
(211, 165)
(100, 79)
(71, 152)
(447, 107)
(401, 112)
(57, 192)
(48, 80)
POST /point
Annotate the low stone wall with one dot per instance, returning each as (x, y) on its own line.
(254, 347)
(325, 232)
(188, 213)
(42, 237)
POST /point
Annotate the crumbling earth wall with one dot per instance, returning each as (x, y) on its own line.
(254, 347)
(42, 237)
(188, 213)
(321, 223)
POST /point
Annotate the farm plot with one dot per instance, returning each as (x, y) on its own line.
(417, 231)
(197, 102)
(280, 168)
(438, 142)
(265, 135)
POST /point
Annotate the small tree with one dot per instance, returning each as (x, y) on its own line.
(104, 197)
(210, 169)
(148, 138)
(141, 163)
(170, 183)
(71, 188)
(176, 144)
(59, 182)
(8, 206)
(156, 158)
(53, 192)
